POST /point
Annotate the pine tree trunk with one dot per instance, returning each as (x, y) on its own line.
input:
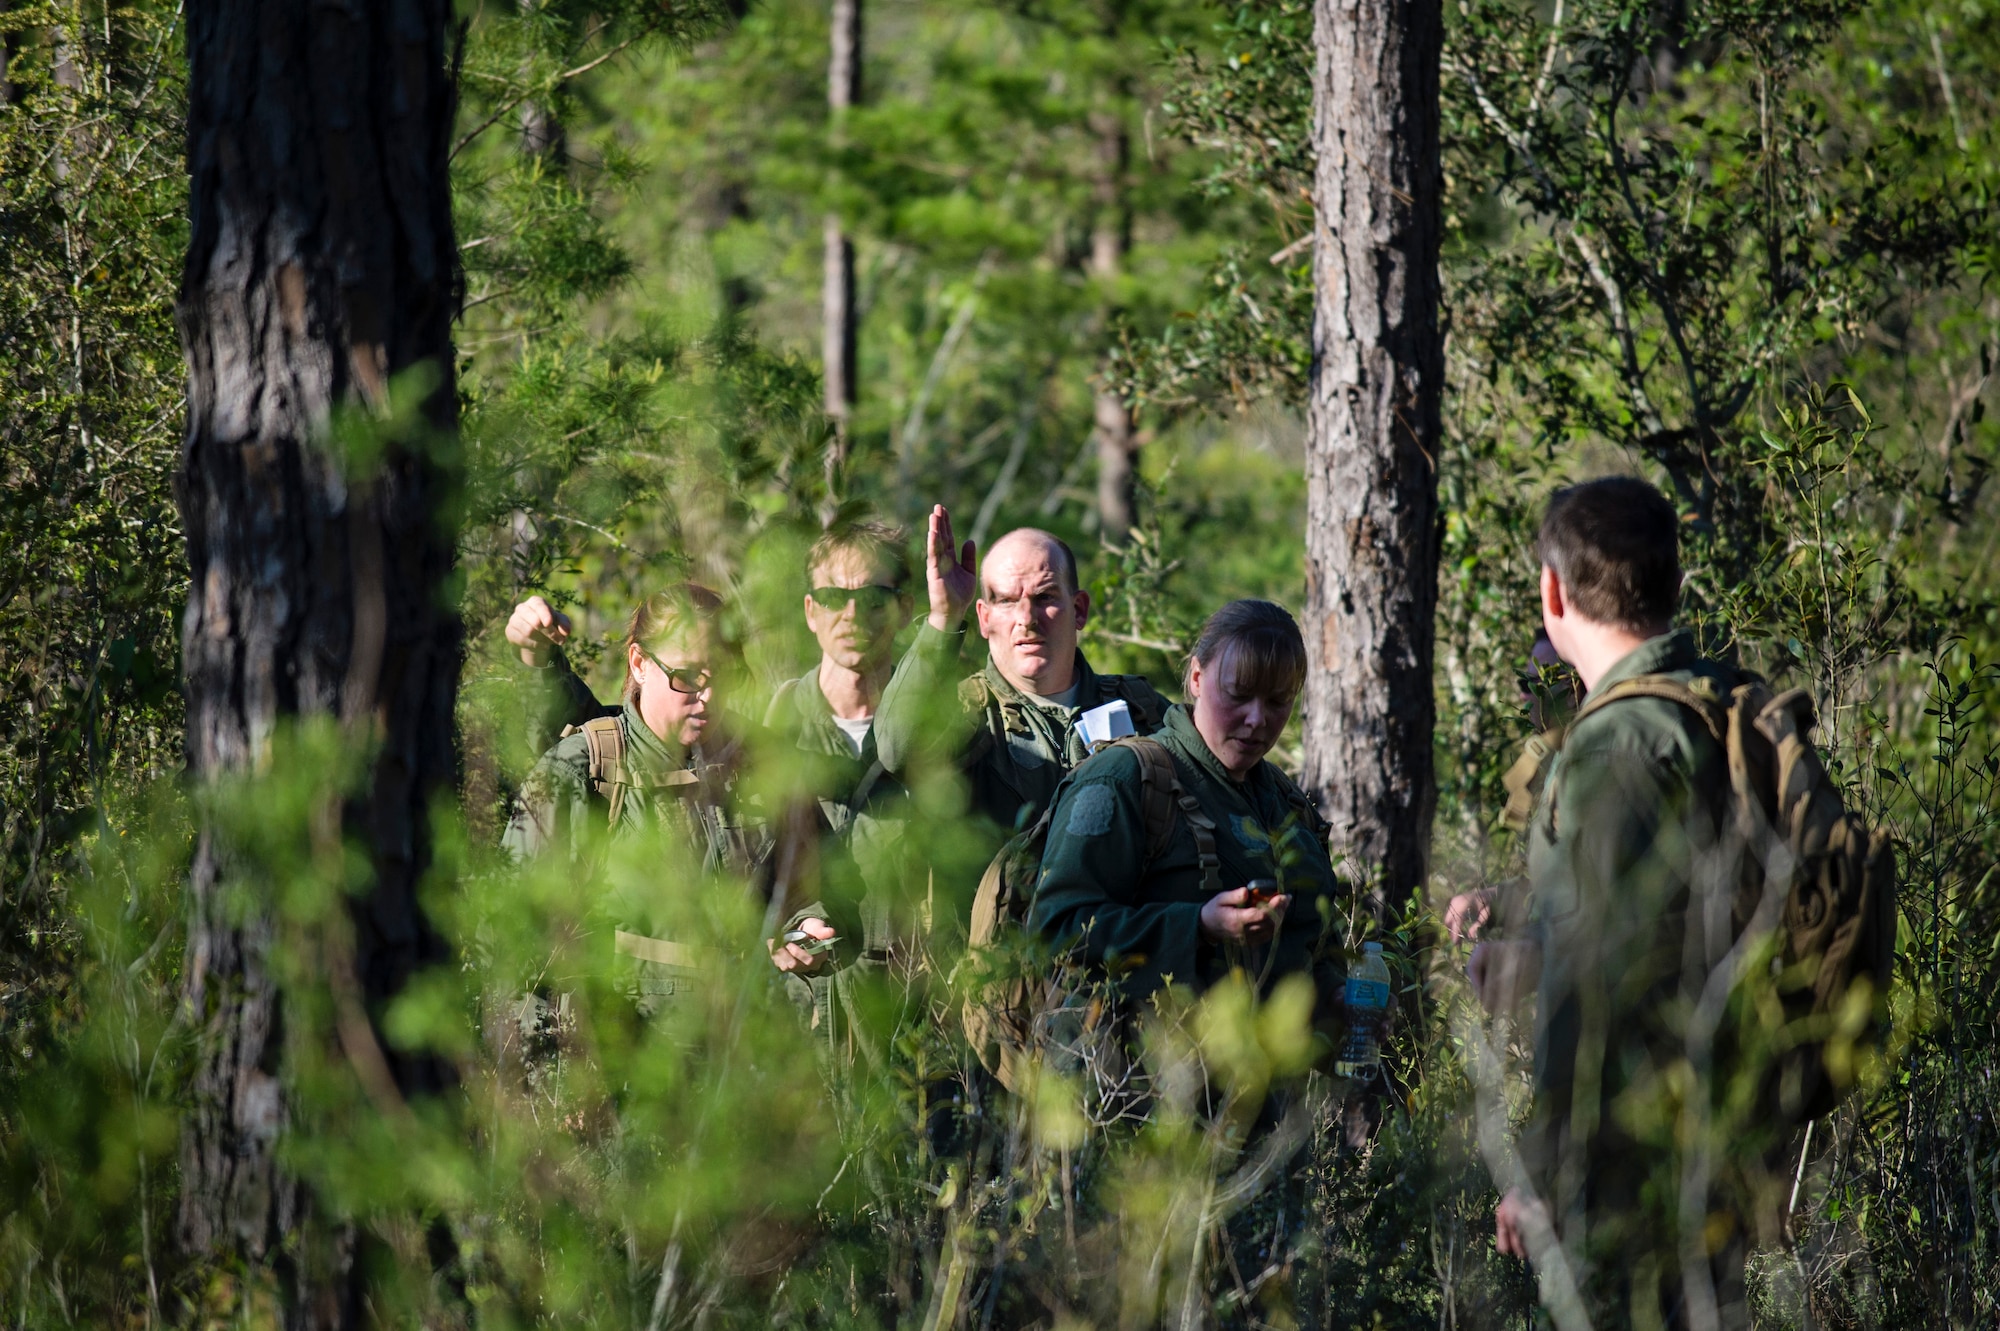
(1110, 238)
(1372, 435)
(321, 264)
(838, 335)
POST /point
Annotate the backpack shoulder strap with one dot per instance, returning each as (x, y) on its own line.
(606, 742)
(1524, 780)
(1161, 796)
(1713, 710)
(1157, 784)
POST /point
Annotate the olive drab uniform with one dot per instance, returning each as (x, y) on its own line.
(1013, 750)
(1629, 804)
(1138, 917)
(556, 698)
(859, 871)
(611, 776)
(1134, 918)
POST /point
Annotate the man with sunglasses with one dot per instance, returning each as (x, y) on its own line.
(859, 597)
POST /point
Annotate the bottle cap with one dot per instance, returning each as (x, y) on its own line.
(1371, 947)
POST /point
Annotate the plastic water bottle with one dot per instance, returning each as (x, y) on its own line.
(1367, 1005)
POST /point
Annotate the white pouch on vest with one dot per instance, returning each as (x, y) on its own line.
(1111, 721)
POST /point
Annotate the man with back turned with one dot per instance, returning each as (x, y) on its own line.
(1628, 817)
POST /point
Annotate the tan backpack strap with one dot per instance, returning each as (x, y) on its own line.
(1713, 711)
(1157, 784)
(1161, 796)
(1525, 778)
(606, 741)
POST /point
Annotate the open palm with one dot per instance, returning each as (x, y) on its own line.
(951, 572)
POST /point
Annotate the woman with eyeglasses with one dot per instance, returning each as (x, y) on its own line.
(659, 765)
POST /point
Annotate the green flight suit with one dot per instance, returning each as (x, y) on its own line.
(861, 816)
(1141, 921)
(1629, 814)
(686, 798)
(1013, 750)
(557, 697)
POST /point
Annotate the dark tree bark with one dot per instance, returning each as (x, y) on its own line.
(839, 339)
(1371, 435)
(10, 43)
(321, 264)
(1110, 238)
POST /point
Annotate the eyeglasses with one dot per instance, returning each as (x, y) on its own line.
(873, 600)
(682, 679)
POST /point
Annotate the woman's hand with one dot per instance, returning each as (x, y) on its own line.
(1233, 917)
(793, 959)
(537, 628)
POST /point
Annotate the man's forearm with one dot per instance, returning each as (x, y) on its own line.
(918, 696)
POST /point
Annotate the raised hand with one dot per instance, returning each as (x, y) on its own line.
(1234, 917)
(951, 572)
(537, 628)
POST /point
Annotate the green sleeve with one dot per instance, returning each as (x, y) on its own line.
(920, 709)
(558, 698)
(1601, 905)
(1091, 894)
(553, 805)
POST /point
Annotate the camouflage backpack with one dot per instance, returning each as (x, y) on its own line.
(1001, 1020)
(1790, 830)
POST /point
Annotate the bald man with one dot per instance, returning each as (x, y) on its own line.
(1013, 728)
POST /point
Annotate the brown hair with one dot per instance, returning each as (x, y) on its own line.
(666, 616)
(1262, 639)
(876, 542)
(1615, 543)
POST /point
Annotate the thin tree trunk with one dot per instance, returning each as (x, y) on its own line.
(10, 45)
(321, 264)
(1372, 435)
(838, 335)
(1110, 238)
(542, 134)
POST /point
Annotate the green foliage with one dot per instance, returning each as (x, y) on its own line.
(1671, 234)
(92, 211)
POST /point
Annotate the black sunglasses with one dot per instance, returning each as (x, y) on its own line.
(872, 599)
(682, 679)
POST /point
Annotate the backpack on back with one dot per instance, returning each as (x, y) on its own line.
(1791, 831)
(1001, 1019)
(605, 742)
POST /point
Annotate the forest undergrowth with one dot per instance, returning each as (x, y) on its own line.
(639, 408)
